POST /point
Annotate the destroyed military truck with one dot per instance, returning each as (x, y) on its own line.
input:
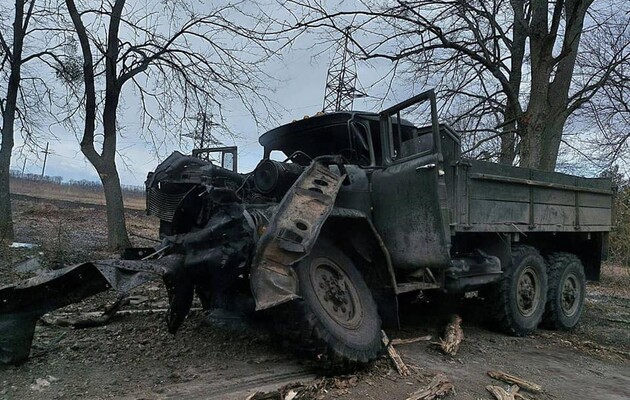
(365, 207)
(349, 210)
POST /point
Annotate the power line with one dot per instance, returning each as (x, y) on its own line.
(46, 153)
(341, 79)
(202, 134)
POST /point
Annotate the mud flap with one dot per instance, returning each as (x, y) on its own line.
(291, 234)
(21, 305)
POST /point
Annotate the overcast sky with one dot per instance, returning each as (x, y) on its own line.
(298, 90)
(297, 87)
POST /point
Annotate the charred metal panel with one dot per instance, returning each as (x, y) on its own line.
(408, 201)
(181, 169)
(355, 192)
(215, 254)
(21, 305)
(291, 234)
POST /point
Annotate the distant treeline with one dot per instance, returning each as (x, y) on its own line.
(83, 183)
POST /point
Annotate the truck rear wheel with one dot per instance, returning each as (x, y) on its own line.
(567, 289)
(518, 300)
(337, 320)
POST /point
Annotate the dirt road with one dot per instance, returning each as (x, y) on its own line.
(134, 357)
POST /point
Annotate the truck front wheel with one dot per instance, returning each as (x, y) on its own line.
(518, 301)
(336, 321)
(567, 287)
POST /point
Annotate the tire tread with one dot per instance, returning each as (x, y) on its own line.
(556, 262)
(499, 296)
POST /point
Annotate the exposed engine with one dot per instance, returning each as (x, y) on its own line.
(179, 185)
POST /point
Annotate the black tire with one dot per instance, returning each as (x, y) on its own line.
(341, 339)
(566, 292)
(517, 301)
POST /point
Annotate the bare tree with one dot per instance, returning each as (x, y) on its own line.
(174, 58)
(608, 110)
(506, 69)
(22, 95)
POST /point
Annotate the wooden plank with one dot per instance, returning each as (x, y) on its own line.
(595, 200)
(498, 191)
(498, 169)
(594, 216)
(400, 365)
(597, 183)
(554, 196)
(525, 228)
(554, 177)
(547, 214)
(498, 212)
(531, 182)
(513, 379)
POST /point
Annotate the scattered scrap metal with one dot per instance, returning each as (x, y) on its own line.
(22, 304)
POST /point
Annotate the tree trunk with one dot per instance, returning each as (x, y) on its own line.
(117, 237)
(104, 163)
(541, 140)
(8, 121)
(8, 118)
(6, 220)
(508, 137)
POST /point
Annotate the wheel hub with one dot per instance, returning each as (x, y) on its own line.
(336, 293)
(528, 292)
(570, 295)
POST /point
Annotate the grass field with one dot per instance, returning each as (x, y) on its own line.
(133, 200)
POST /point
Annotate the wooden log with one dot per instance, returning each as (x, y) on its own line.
(397, 342)
(89, 320)
(453, 336)
(401, 367)
(501, 394)
(438, 387)
(508, 378)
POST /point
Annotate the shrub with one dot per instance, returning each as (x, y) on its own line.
(620, 237)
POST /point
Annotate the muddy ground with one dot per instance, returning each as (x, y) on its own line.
(134, 357)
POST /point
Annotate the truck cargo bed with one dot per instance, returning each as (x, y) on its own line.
(500, 198)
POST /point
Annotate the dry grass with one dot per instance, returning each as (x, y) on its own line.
(620, 237)
(73, 193)
(615, 280)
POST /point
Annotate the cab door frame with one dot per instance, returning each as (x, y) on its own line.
(409, 196)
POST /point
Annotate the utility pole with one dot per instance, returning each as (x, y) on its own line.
(341, 80)
(46, 152)
(23, 167)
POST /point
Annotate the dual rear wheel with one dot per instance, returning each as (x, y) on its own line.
(534, 291)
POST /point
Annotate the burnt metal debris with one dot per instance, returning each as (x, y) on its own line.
(23, 304)
(365, 207)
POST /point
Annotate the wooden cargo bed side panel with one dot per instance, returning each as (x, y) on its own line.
(594, 208)
(498, 212)
(554, 214)
(496, 197)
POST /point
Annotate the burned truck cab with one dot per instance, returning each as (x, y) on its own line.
(352, 136)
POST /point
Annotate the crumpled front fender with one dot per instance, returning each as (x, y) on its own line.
(291, 235)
